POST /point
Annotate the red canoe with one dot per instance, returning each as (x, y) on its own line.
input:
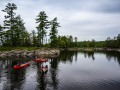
(21, 66)
(44, 69)
(40, 60)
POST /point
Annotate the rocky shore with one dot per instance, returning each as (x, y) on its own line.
(47, 52)
(26, 53)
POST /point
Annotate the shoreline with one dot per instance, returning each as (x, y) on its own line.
(27, 53)
(47, 52)
(91, 49)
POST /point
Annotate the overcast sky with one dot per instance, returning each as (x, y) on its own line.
(85, 19)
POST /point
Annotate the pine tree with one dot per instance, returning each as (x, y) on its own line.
(54, 32)
(42, 26)
(1, 35)
(34, 38)
(9, 22)
(19, 30)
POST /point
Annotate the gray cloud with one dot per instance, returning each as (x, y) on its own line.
(87, 5)
(86, 19)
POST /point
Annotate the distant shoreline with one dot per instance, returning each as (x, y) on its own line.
(92, 49)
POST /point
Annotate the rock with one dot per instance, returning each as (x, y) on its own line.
(118, 50)
(2, 55)
(25, 53)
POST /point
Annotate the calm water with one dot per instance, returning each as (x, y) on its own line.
(69, 71)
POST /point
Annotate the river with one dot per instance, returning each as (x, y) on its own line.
(69, 71)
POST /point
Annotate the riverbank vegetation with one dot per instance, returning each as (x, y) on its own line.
(13, 34)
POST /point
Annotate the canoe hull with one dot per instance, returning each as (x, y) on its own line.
(44, 69)
(40, 60)
(22, 66)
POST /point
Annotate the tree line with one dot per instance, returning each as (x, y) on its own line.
(13, 33)
(108, 43)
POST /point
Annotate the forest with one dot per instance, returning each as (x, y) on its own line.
(13, 33)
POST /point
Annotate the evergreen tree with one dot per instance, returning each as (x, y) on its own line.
(26, 39)
(34, 38)
(1, 35)
(118, 40)
(9, 22)
(71, 40)
(19, 30)
(42, 26)
(75, 43)
(54, 32)
(118, 37)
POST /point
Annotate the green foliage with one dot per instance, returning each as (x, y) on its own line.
(1, 35)
(42, 26)
(19, 32)
(14, 34)
(34, 38)
(53, 32)
(18, 48)
(109, 43)
(9, 22)
(118, 37)
(65, 42)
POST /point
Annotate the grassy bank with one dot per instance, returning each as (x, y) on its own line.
(35, 48)
(18, 48)
(80, 49)
(68, 49)
(26, 48)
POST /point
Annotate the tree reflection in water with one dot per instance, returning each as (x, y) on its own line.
(49, 78)
(67, 56)
(41, 79)
(54, 72)
(114, 55)
(89, 54)
(11, 79)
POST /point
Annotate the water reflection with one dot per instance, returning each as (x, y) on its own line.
(17, 79)
(67, 56)
(113, 56)
(41, 79)
(89, 54)
(54, 72)
(49, 78)
(11, 79)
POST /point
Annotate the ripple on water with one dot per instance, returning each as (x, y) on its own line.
(91, 85)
